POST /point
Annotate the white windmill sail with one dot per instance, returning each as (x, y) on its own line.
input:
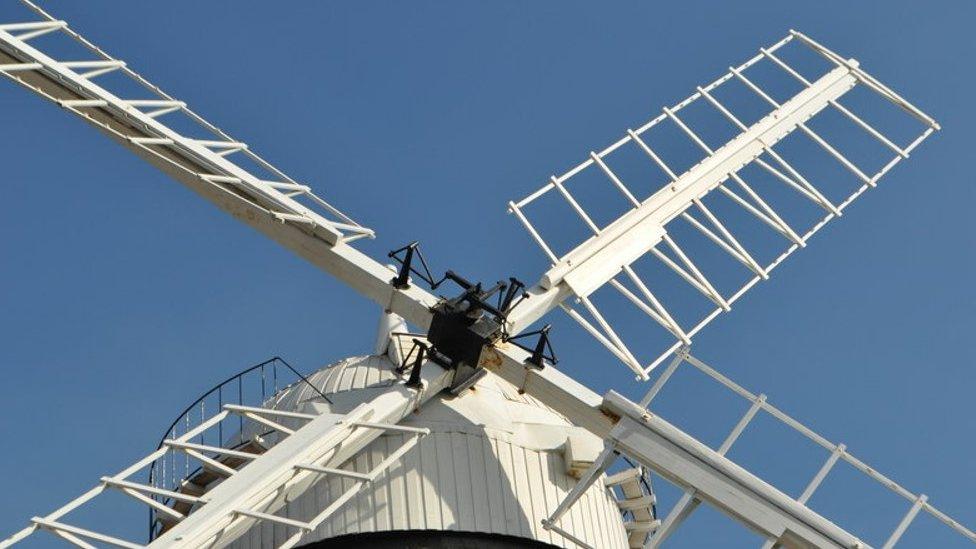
(835, 453)
(257, 481)
(691, 465)
(609, 257)
(168, 134)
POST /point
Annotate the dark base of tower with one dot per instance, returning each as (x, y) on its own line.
(427, 539)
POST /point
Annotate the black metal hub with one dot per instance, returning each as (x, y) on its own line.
(456, 335)
(463, 326)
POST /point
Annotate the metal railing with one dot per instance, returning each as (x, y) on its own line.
(837, 452)
(252, 386)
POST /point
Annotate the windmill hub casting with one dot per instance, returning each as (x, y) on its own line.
(457, 430)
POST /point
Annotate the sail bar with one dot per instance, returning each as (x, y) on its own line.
(868, 80)
(842, 109)
(651, 230)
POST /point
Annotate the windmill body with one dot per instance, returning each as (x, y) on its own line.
(458, 429)
(492, 460)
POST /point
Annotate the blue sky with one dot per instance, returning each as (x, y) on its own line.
(125, 296)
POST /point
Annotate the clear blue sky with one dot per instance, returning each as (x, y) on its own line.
(124, 296)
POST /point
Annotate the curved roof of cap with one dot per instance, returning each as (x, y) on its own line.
(492, 405)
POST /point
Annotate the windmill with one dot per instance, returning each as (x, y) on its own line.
(371, 450)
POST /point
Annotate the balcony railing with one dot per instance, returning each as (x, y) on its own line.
(253, 386)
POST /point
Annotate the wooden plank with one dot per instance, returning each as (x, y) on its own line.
(433, 511)
(496, 486)
(446, 480)
(467, 499)
(534, 469)
(479, 483)
(381, 485)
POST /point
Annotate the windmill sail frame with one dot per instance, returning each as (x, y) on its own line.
(203, 158)
(608, 256)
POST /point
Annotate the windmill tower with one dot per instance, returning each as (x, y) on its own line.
(457, 431)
